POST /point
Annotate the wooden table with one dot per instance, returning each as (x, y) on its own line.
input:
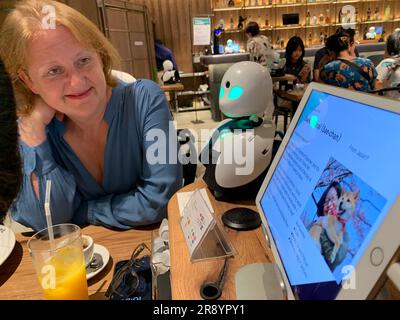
(292, 95)
(18, 279)
(286, 77)
(187, 277)
(174, 89)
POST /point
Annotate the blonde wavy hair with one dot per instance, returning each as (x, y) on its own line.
(21, 25)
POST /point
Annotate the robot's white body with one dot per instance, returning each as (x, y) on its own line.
(245, 168)
(170, 75)
(240, 149)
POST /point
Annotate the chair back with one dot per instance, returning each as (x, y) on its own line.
(123, 76)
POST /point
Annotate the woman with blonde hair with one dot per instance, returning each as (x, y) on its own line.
(80, 128)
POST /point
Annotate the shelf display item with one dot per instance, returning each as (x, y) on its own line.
(368, 14)
(327, 19)
(240, 24)
(314, 21)
(376, 14)
(387, 13)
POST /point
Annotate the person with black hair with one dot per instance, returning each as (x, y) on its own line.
(327, 204)
(295, 63)
(259, 46)
(10, 162)
(345, 70)
(323, 56)
(388, 69)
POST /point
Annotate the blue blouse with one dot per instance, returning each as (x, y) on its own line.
(133, 192)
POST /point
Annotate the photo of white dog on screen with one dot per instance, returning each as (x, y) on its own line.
(339, 215)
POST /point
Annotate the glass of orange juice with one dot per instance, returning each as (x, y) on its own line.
(60, 264)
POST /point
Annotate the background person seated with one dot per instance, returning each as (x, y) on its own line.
(164, 53)
(259, 46)
(295, 63)
(389, 68)
(345, 70)
(323, 56)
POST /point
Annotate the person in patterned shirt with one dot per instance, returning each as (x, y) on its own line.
(389, 68)
(347, 71)
(259, 46)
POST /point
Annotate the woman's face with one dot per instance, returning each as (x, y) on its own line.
(331, 200)
(297, 54)
(67, 76)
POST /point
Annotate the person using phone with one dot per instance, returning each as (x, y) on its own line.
(91, 135)
(295, 63)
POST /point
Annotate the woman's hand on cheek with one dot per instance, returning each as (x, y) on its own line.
(32, 128)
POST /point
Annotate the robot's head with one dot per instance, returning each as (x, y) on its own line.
(229, 43)
(246, 89)
(167, 65)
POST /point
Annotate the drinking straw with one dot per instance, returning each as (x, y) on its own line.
(48, 215)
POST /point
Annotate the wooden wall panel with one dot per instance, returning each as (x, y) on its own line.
(171, 21)
(172, 25)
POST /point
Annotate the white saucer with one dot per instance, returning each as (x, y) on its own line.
(7, 243)
(102, 253)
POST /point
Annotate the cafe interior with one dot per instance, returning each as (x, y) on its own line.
(199, 150)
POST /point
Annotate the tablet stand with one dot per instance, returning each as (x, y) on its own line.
(260, 281)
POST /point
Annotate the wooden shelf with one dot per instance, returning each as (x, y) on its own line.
(347, 1)
(228, 9)
(289, 5)
(272, 12)
(316, 3)
(267, 29)
(233, 30)
(319, 25)
(258, 7)
(289, 27)
(376, 21)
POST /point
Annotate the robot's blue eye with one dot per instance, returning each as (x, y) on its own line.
(221, 93)
(235, 93)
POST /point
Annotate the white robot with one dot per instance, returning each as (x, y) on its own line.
(229, 46)
(371, 34)
(170, 76)
(240, 150)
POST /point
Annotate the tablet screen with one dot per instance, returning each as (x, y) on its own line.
(330, 191)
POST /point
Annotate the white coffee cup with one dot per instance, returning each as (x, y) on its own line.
(88, 248)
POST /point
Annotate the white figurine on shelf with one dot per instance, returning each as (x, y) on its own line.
(371, 34)
(170, 76)
(246, 99)
(229, 46)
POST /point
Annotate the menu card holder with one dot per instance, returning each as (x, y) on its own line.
(204, 236)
